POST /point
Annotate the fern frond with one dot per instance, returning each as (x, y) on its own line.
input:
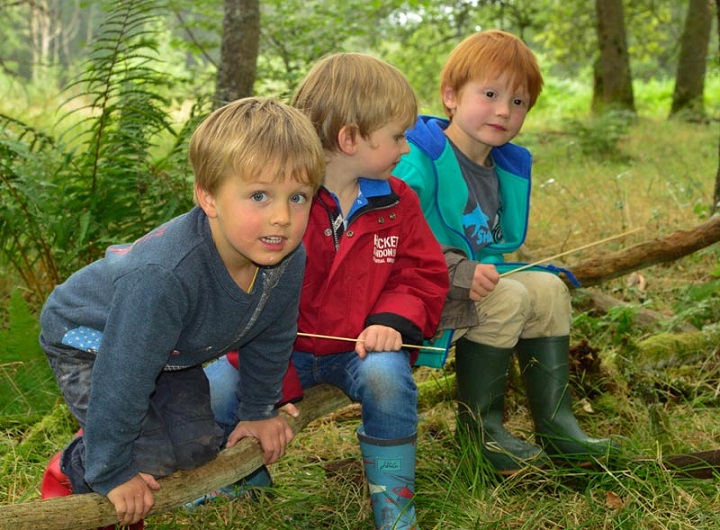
(24, 243)
(66, 199)
(121, 87)
(30, 136)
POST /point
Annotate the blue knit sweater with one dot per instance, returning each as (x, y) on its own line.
(167, 302)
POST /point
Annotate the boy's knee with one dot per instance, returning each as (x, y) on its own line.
(388, 377)
(544, 287)
(387, 399)
(561, 291)
(509, 301)
(196, 438)
(200, 450)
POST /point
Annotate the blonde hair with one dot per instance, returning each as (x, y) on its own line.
(490, 54)
(254, 135)
(354, 89)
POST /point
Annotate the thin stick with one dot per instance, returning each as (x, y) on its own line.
(347, 339)
(578, 249)
(529, 265)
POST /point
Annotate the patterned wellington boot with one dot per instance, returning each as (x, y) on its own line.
(390, 473)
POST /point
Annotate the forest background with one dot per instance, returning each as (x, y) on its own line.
(98, 101)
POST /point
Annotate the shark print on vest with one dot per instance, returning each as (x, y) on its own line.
(477, 228)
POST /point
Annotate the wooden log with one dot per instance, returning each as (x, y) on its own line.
(705, 464)
(660, 250)
(674, 349)
(92, 510)
(643, 318)
(436, 390)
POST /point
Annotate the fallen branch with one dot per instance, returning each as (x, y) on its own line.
(92, 510)
(705, 464)
(661, 250)
(565, 253)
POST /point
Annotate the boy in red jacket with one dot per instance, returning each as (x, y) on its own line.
(374, 272)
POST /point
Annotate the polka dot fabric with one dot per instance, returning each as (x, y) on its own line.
(83, 338)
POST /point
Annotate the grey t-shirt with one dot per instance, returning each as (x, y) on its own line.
(483, 208)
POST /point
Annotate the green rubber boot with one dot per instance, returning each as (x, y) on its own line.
(481, 373)
(544, 366)
(390, 473)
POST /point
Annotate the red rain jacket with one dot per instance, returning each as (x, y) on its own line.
(387, 269)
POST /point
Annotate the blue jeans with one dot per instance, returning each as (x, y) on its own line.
(382, 383)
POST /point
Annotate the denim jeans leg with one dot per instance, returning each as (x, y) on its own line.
(389, 395)
(224, 379)
(179, 431)
(383, 384)
(305, 366)
(72, 464)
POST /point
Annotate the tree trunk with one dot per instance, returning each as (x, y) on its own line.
(41, 33)
(716, 194)
(613, 79)
(690, 77)
(239, 51)
(661, 250)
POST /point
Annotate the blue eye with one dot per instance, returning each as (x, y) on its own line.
(259, 196)
(299, 198)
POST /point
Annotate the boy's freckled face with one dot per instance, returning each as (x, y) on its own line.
(259, 221)
(381, 152)
(486, 112)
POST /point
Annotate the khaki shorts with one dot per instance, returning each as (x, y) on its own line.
(523, 305)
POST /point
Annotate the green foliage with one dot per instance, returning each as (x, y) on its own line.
(27, 386)
(611, 329)
(567, 36)
(600, 136)
(24, 242)
(100, 183)
(700, 303)
(113, 176)
(296, 33)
